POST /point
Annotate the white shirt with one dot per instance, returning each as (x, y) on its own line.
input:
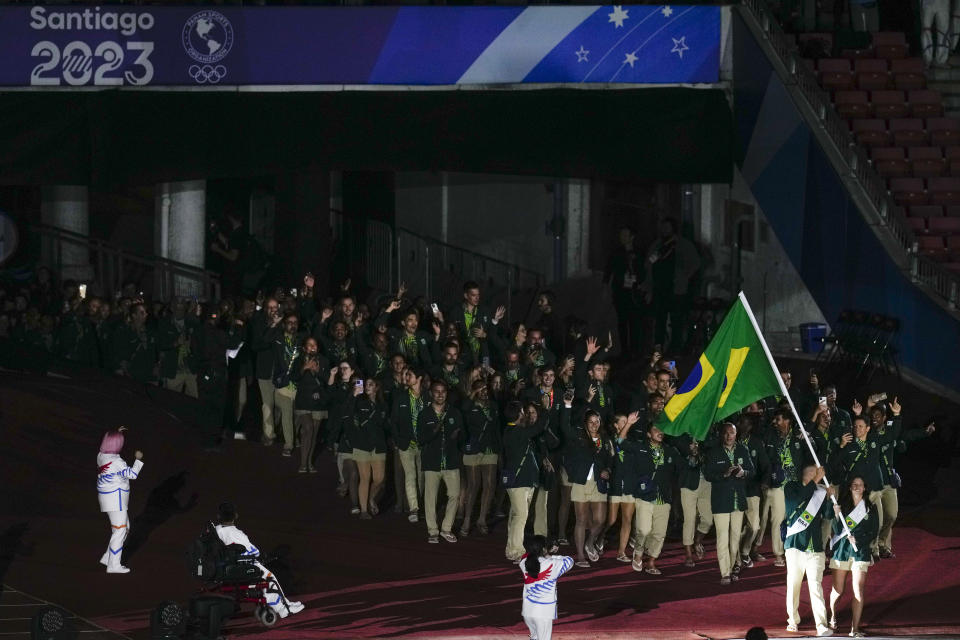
(540, 592)
(229, 534)
(113, 481)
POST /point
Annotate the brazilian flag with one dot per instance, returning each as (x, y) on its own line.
(733, 372)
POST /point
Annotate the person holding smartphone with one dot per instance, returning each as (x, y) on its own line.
(728, 468)
(365, 421)
(341, 384)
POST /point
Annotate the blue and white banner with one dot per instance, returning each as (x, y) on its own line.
(120, 45)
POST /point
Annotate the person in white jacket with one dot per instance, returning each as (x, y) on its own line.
(113, 490)
(229, 534)
(540, 574)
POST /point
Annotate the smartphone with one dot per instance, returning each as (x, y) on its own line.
(823, 400)
(435, 309)
(359, 383)
(294, 292)
(672, 364)
(83, 291)
(486, 362)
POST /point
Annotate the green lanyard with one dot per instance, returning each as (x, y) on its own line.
(601, 398)
(443, 440)
(657, 453)
(416, 404)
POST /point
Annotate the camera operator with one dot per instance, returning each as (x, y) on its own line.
(229, 241)
(210, 344)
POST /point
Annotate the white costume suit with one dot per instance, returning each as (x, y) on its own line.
(276, 600)
(540, 594)
(113, 490)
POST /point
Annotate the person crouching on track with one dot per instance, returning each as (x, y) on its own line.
(540, 574)
(113, 489)
(229, 534)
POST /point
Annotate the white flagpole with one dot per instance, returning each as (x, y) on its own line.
(783, 389)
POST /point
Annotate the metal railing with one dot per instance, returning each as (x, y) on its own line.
(112, 267)
(941, 282)
(432, 268)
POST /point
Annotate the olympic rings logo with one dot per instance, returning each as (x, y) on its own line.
(207, 73)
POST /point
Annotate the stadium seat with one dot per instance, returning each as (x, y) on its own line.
(926, 162)
(952, 212)
(813, 42)
(835, 74)
(852, 104)
(908, 191)
(944, 226)
(925, 211)
(890, 162)
(890, 45)
(870, 132)
(944, 191)
(908, 74)
(930, 244)
(925, 103)
(908, 132)
(919, 225)
(953, 243)
(889, 104)
(944, 132)
(871, 74)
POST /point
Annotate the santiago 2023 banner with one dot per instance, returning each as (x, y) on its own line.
(111, 46)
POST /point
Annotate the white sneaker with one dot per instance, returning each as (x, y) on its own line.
(239, 435)
(120, 569)
(295, 607)
(103, 559)
(823, 632)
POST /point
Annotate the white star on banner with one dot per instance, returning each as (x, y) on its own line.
(582, 54)
(679, 46)
(618, 16)
(630, 59)
(666, 11)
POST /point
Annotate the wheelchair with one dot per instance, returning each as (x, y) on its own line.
(224, 571)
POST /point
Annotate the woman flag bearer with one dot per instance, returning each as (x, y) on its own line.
(863, 521)
(113, 489)
(540, 574)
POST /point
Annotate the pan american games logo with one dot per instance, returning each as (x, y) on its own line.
(207, 38)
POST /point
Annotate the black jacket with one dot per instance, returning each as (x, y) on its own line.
(262, 339)
(364, 424)
(441, 439)
(728, 493)
(520, 454)
(483, 428)
(580, 452)
(402, 428)
(313, 394)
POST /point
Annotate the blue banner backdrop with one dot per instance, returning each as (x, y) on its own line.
(110, 46)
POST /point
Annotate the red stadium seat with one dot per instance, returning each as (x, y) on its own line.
(908, 74)
(835, 74)
(871, 132)
(944, 132)
(944, 226)
(926, 162)
(889, 44)
(852, 104)
(925, 211)
(890, 162)
(925, 103)
(952, 212)
(930, 244)
(944, 190)
(919, 225)
(953, 243)
(908, 191)
(871, 74)
(908, 132)
(889, 104)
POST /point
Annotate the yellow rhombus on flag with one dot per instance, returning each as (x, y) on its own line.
(733, 372)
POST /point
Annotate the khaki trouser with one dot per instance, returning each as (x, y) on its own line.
(751, 525)
(266, 397)
(412, 476)
(519, 510)
(890, 507)
(729, 526)
(241, 398)
(773, 510)
(431, 484)
(694, 502)
(540, 511)
(876, 499)
(809, 564)
(184, 382)
(283, 403)
(650, 521)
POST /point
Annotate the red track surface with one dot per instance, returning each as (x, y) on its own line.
(362, 579)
